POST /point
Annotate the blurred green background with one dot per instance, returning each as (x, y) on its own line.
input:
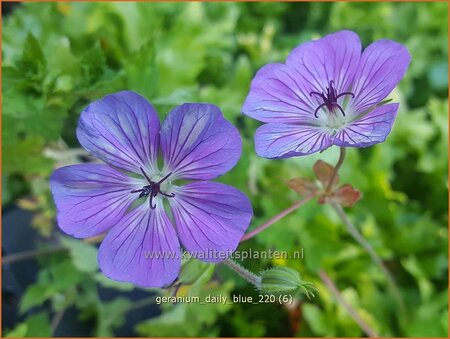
(58, 57)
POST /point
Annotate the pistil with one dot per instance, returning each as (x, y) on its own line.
(152, 189)
(330, 99)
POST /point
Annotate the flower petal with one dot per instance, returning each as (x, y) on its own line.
(198, 143)
(281, 93)
(332, 58)
(123, 130)
(211, 219)
(382, 65)
(142, 249)
(278, 94)
(372, 128)
(90, 198)
(288, 140)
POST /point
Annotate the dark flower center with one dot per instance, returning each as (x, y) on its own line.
(330, 99)
(152, 189)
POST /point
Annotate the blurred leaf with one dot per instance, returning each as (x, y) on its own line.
(26, 157)
(315, 319)
(84, 255)
(193, 270)
(38, 325)
(425, 320)
(413, 267)
(32, 57)
(19, 331)
(93, 63)
(141, 71)
(188, 319)
(35, 295)
(108, 283)
(111, 316)
(438, 76)
(58, 277)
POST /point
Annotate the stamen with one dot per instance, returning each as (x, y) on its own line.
(168, 175)
(146, 176)
(169, 195)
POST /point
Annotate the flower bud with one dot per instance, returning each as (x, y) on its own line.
(284, 280)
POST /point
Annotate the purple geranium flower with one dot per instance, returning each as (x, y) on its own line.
(327, 93)
(142, 245)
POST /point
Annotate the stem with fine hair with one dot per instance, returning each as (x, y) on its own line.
(358, 236)
(243, 272)
(369, 249)
(352, 312)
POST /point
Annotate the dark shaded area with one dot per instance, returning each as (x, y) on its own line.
(9, 7)
(18, 236)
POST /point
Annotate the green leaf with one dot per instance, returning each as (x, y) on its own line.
(19, 331)
(315, 319)
(426, 322)
(64, 275)
(16, 105)
(93, 64)
(58, 277)
(109, 283)
(141, 71)
(193, 270)
(35, 295)
(111, 315)
(84, 255)
(32, 55)
(25, 156)
(38, 325)
(171, 323)
(189, 319)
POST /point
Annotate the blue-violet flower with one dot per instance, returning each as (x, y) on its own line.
(142, 245)
(327, 93)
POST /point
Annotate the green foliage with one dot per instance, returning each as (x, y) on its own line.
(57, 57)
(83, 254)
(36, 325)
(190, 319)
(56, 281)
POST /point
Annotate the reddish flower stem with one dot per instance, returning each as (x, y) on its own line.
(351, 312)
(371, 252)
(336, 170)
(279, 216)
(359, 237)
(25, 255)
